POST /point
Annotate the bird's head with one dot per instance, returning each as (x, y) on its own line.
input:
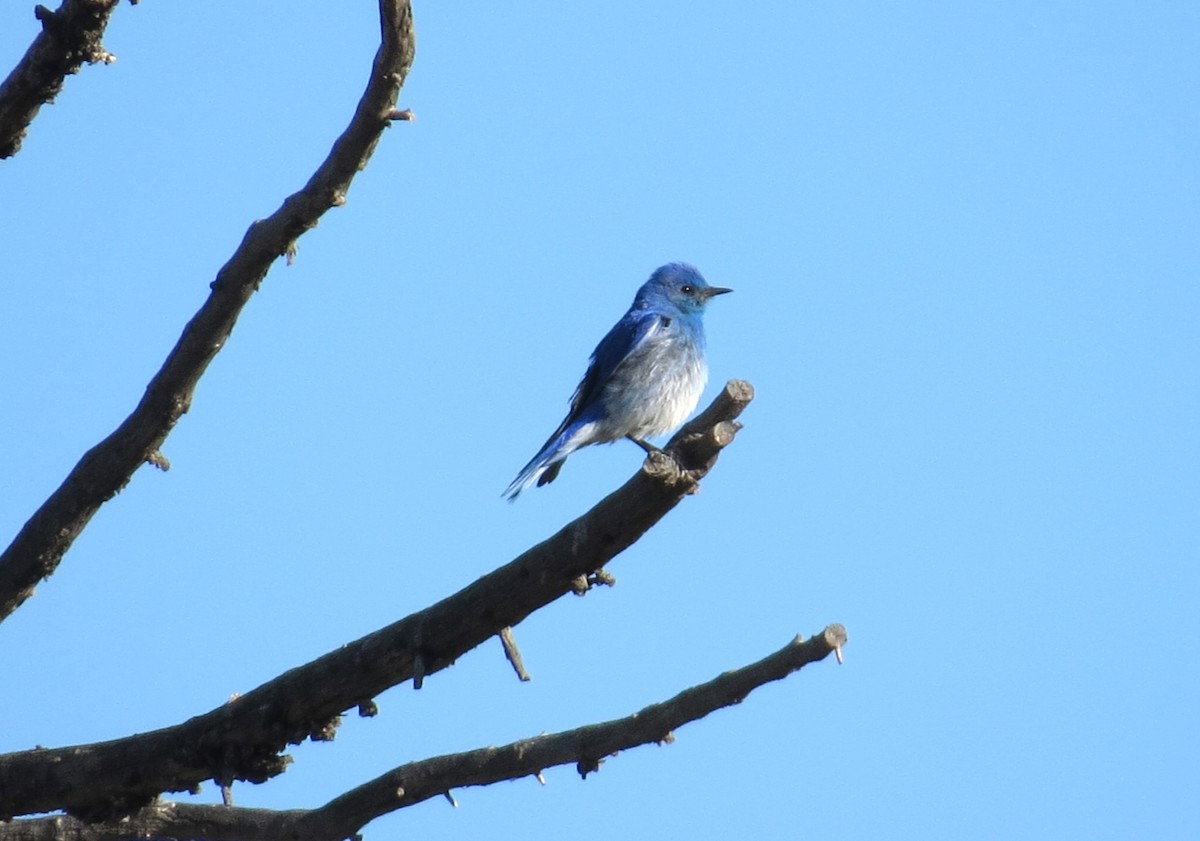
(678, 284)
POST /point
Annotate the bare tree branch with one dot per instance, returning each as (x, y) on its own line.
(109, 790)
(107, 467)
(242, 739)
(414, 782)
(70, 36)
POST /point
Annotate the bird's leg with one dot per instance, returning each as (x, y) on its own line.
(649, 448)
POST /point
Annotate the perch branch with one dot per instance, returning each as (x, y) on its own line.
(39, 547)
(343, 817)
(70, 36)
(242, 740)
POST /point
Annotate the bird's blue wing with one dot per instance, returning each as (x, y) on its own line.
(623, 340)
(635, 328)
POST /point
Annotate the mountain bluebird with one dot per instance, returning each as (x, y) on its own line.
(644, 378)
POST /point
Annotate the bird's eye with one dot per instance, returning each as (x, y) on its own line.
(687, 289)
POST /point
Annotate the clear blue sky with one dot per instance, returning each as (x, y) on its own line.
(964, 243)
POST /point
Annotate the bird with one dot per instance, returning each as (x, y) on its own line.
(643, 379)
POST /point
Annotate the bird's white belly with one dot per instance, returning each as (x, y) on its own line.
(661, 397)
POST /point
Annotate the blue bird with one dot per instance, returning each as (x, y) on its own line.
(644, 378)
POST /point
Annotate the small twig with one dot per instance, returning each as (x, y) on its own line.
(418, 676)
(588, 766)
(418, 668)
(602, 577)
(159, 460)
(580, 584)
(513, 653)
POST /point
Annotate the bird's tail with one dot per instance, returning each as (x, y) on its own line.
(543, 467)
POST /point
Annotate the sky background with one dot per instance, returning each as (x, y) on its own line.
(964, 243)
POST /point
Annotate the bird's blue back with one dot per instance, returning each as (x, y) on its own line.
(658, 300)
(644, 377)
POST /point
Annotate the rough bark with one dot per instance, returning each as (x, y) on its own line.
(243, 740)
(70, 36)
(110, 790)
(107, 467)
(585, 747)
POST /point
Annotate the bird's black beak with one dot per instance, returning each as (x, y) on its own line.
(713, 291)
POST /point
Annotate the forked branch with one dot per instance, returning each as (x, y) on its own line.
(107, 467)
(242, 740)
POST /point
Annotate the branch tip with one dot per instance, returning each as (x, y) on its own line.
(740, 391)
(159, 460)
(450, 797)
(835, 635)
(48, 17)
(724, 433)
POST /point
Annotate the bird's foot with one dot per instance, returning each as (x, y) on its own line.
(649, 448)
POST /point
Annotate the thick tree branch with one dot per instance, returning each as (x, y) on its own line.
(242, 739)
(414, 782)
(70, 36)
(107, 467)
